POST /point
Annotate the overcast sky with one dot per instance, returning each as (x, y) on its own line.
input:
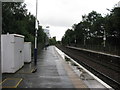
(62, 14)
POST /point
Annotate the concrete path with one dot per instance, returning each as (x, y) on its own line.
(52, 72)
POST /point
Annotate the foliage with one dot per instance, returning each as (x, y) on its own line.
(52, 41)
(93, 27)
(16, 19)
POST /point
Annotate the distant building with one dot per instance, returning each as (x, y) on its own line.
(47, 32)
(119, 4)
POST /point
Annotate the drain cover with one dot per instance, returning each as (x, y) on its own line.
(11, 82)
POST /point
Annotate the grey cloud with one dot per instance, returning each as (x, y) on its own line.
(57, 21)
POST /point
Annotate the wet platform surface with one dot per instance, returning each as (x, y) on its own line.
(52, 72)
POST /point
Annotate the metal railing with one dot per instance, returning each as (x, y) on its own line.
(108, 49)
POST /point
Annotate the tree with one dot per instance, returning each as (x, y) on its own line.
(69, 37)
(52, 41)
(112, 26)
(90, 27)
(93, 27)
(17, 20)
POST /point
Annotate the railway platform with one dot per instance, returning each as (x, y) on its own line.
(92, 51)
(52, 72)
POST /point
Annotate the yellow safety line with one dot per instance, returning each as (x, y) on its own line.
(18, 83)
(12, 79)
(32, 70)
(3, 81)
(9, 87)
(26, 72)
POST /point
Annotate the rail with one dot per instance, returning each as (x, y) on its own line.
(94, 51)
(113, 83)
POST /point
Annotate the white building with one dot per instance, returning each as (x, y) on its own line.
(47, 32)
(118, 4)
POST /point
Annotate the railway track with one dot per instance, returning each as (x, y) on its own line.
(105, 64)
(101, 75)
(105, 74)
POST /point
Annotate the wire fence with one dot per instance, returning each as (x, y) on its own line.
(107, 49)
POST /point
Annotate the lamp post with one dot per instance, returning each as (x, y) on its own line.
(36, 28)
(104, 36)
(104, 39)
(84, 39)
(75, 41)
(0, 38)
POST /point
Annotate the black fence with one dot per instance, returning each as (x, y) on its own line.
(107, 49)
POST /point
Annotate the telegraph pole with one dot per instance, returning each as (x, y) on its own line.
(0, 39)
(36, 28)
